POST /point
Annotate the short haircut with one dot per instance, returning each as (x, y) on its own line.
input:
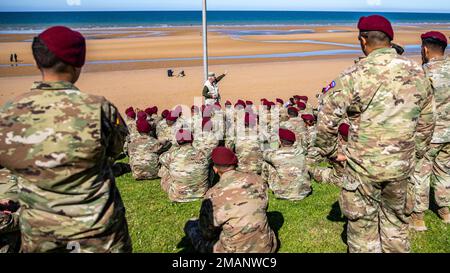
(292, 113)
(45, 59)
(287, 143)
(224, 167)
(376, 38)
(434, 44)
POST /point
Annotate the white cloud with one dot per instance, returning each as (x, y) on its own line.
(374, 2)
(74, 2)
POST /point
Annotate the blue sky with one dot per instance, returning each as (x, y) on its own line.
(334, 5)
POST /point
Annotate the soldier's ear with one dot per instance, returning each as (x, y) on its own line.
(216, 171)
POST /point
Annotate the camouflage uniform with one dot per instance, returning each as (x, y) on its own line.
(143, 152)
(248, 150)
(62, 142)
(389, 103)
(233, 217)
(132, 131)
(284, 170)
(186, 173)
(9, 223)
(297, 125)
(434, 168)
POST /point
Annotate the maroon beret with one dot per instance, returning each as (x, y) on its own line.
(308, 117)
(217, 105)
(142, 115)
(223, 156)
(280, 101)
(228, 103)
(184, 136)
(68, 45)
(165, 113)
(343, 129)
(376, 23)
(206, 122)
(249, 102)
(303, 98)
(287, 135)
(297, 97)
(292, 109)
(130, 112)
(435, 35)
(143, 126)
(172, 116)
(241, 103)
(151, 110)
(301, 105)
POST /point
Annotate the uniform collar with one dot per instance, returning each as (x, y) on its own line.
(438, 59)
(60, 85)
(382, 51)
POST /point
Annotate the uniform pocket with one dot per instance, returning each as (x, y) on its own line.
(350, 199)
(410, 199)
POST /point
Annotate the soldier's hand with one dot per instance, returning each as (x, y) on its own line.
(341, 158)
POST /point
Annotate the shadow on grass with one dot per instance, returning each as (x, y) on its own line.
(276, 221)
(335, 215)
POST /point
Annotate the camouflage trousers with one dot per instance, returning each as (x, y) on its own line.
(9, 233)
(433, 171)
(378, 215)
(114, 240)
(333, 175)
(295, 190)
(165, 180)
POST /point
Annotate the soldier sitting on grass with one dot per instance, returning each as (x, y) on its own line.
(284, 169)
(233, 215)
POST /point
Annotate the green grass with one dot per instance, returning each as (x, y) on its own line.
(312, 225)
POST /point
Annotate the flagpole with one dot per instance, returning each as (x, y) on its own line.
(205, 41)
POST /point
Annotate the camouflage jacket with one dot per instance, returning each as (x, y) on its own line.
(142, 151)
(62, 142)
(205, 141)
(438, 70)
(248, 150)
(389, 103)
(187, 171)
(285, 172)
(297, 125)
(234, 214)
(8, 185)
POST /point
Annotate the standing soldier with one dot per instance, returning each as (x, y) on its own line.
(211, 88)
(435, 167)
(233, 215)
(389, 104)
(62, 142)
(186, 170)
(284, 169)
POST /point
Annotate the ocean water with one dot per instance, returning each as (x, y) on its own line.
(31, 22)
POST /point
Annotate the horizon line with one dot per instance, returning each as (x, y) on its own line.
(231, 10)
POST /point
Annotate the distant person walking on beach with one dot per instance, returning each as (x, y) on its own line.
(211, 88)
(15, 58)
(11, 59)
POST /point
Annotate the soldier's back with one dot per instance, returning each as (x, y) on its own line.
(240, 204)
(143, 157)
(59, 140)
(249, 153)
(387, 93)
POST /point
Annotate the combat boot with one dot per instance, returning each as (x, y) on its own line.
(417, 221)
(444, 213)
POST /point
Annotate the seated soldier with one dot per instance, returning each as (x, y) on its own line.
(233, 215)
(296, 125)
(186, 170)
(166, 128)
(130, 120)
(206, 140)
(144, 151)
(247, 146)
(309, 121)
(9, 213)
(284, 169)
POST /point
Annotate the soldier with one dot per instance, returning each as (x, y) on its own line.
(434, 169)
(62, 142)
(166, 128)
(389, 104)
(130, 120)
(246, 144)
(309, 121)
(284, 169)
(187, 170)
(206, 140)
(9, 213)
(296, 125)
(284, 116)
(233, 215)
(211, 88)
(144, 151)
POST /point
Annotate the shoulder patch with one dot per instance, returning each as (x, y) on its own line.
(329, 87)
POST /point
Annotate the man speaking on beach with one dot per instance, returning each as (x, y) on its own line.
(211, 88)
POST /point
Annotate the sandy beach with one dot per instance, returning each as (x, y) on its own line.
(129, 66)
